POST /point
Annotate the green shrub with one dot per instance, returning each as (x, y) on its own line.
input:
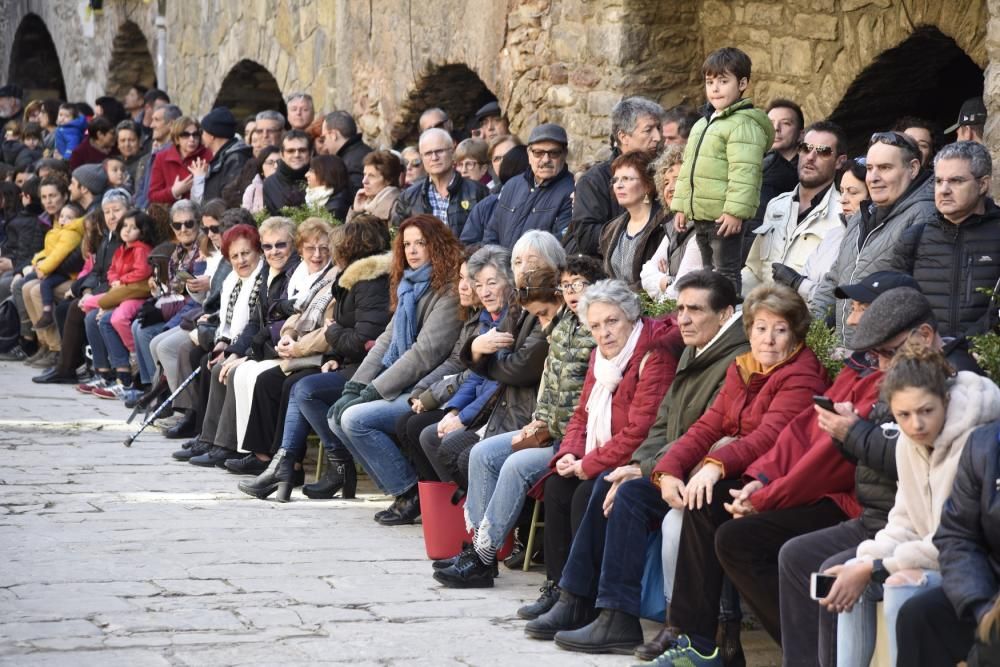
(298, 214)
(655, 309)
(823, 342)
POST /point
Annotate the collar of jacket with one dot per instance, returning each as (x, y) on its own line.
(991, 214)
(742, 103)
(291, 175)
(874, 214)
(454, 185)
(530, 177)
(356, 139)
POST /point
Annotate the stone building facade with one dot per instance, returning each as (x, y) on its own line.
(863, 62)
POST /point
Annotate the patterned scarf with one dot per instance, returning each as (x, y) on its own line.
(404, 323)
(317, 299)
(234, 296)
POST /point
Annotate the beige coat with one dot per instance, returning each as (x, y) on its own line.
(926, 477)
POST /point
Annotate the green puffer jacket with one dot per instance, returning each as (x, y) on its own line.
(570, 346)
(721, 170)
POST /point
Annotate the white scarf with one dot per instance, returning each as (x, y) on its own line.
(607, 375)
(301, 282)
(317, 197)
(241, 310)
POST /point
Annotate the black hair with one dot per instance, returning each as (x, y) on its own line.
(721, 292)
(586, 266)
(831, 128)
(148, 232)
(782, 103)
(514, 162)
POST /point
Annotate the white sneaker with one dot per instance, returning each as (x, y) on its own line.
(88, 387)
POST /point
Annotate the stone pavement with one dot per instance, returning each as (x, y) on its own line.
(114, 556)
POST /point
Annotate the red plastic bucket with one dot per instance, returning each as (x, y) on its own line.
(444, 523)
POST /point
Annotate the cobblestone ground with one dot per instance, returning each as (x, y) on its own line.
(115, 556)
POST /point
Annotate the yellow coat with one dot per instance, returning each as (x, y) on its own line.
(59, 243)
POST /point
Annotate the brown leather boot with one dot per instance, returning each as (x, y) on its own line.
(658, 644)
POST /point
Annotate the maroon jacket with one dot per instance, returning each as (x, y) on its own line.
(752, 411)
(634, 403)
(86, 153)
(167, 166)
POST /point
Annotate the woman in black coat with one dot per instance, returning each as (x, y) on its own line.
(360, 314)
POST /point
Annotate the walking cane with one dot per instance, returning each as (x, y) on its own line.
(170, 399)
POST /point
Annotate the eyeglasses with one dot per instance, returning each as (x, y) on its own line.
(574, 287)
(295, 151)
(268, 247)
(889, 353)
(315, 249)
(415, 162)
(212, 229)
(624, 180)
(468, 164)
(178, 225)
(552, 154)
(271, 162)
(821, 150)
(432, 153)
(189, 135)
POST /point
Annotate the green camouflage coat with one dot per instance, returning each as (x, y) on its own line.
(570, 346)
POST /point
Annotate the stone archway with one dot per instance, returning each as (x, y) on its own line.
(34, 61)
(455, 88)
(927, 75)
(249, 88)
(131, 62)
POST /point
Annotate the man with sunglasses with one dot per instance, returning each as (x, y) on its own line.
(801, 230)
(287, 186)
(542, 197)
(901, 195)
(435, 117)
(957, 254)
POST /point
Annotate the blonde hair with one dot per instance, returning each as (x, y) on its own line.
(781, 300)
(279, 224)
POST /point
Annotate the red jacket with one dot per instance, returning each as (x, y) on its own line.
(634, 403)
(754, 411)
(168, 166)
(86, 153)
(804, 466)
(129, 265)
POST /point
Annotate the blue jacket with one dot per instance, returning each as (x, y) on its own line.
(476, 390)
(522, 206)
(475, 225)
(69, 136)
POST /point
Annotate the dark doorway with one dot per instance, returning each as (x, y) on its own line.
(34, 62)
(131, 62)
(927, 75)
(454, 88)
(249, 88)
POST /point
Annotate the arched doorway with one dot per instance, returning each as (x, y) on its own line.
(131, 62)
(454, 88)
(34, 62)
(927, 75)
(249, 88)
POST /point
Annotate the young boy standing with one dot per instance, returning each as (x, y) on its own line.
(720, 179)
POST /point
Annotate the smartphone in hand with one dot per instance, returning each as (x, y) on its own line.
(825, 403)
(820, 585)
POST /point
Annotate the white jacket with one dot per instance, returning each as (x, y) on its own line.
(926, 477)
(810, 247)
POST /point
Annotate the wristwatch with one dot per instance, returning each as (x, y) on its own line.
(879, 573)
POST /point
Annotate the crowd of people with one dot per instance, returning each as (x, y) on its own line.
(469, 310)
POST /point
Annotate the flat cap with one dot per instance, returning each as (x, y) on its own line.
(487, 110)
(548, 132)
(892, 313)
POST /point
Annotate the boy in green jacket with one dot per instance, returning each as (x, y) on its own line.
(719, 183)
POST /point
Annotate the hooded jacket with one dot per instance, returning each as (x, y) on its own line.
(225, 167)
(926, 477)
(869, 245)
(721, 172)
(60, 242)
(952, 263)
(361, 310)
(69, 136)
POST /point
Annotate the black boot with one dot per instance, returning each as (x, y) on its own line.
(545, 601)
(727, 638)
(569, 613)
(613, 631)
(339, 475)
(266, 483)
(285, 475)
(404, 511)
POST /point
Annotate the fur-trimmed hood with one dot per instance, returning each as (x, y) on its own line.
(368, 268)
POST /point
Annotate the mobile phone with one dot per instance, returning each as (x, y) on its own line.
(184, 275)
(820, 585)
(825, 403)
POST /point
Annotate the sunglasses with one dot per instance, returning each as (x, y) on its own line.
(295, 151)
(821, 150)
(212, 229)
(189, 135)
(415, 162)
(268, 247)
(553, 154)
(183, 224)
(897, 139)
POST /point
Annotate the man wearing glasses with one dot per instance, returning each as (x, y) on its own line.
(445, 194)
(541, 198)
(798, 239)
(901, 196)
(287, 186)
(435, 117)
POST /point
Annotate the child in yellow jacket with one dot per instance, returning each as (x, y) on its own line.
(57, 262)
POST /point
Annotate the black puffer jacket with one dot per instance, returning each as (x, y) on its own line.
(594, 205)
(951, 262)
(361, 311)
(25, 237)
(463, 195)
(225, 167)
(968, 538)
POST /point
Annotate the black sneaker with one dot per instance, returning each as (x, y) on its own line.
(545, 601)
(15, 353)
(248, 465)
(215, 457)
(468, 571)
(448, 562)
(191, 449)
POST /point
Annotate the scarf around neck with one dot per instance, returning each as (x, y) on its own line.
(607, 376)
(404, 323)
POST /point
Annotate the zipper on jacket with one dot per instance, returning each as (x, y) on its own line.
(694, 163)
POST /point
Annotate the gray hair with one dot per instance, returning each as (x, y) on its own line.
(342, 122)
(186, 206)
(171, 112)
(279, 224)
(436, 132)
(545, 244)
(612, 292)
(270, 114)
(434, 110)
(300, 96)
(494, 256)
(120, 195)
(974, 153)
(626, 114)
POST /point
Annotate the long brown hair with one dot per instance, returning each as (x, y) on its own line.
(442, 246)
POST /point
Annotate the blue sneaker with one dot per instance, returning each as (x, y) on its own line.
(682, 654)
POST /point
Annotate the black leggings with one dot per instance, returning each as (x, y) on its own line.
(566, 501)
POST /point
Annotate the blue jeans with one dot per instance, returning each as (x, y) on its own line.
(113, 342)
(97, 349)
(856, 628)
(364, 429)
(308, 403)
(671, 532)
(143, 336)
(499, 480)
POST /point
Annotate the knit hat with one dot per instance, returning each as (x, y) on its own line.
(93, 177)
(868, 289)
(219, 122)
(892, 313)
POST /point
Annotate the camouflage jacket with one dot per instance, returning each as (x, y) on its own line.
(570, 346)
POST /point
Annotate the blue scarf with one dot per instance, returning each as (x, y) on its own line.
(404, 327)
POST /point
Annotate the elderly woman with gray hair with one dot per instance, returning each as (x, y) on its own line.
(534, 250)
